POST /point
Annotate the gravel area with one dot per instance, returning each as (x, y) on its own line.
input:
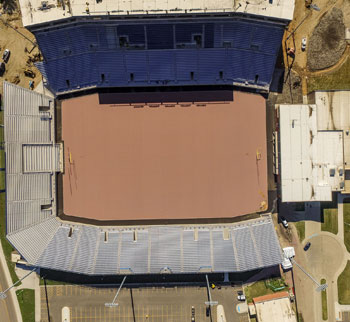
(291, 93)
(327, 43)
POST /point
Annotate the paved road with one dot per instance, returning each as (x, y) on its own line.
(7, 310)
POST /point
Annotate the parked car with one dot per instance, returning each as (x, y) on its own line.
(2, 68)
(240, 296)
(303, 43)
(193, 314)
(284, 222)
(6, 55)
(307, 246)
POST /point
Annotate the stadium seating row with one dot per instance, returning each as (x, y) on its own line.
(158, 54)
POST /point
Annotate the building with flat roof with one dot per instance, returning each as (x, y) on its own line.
(39, 12)
(274, 307)
(311, 156)
(333, 114)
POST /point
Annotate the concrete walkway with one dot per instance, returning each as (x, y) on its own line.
(11, 293)
(31, 282)
(327, 258)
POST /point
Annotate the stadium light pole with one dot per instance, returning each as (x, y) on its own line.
(320, 287)
(113, 304)
(3, 294)
(210, 302)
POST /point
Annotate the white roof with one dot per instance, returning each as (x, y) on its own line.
(32, 12)
(275, 310)
(311, 160)
(333, 113)
(288, 252)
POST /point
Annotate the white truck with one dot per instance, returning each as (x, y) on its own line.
(288, 253)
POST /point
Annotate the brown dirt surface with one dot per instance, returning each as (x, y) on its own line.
(291, 92)
(10, 38)
(327, 43)
(186, 161)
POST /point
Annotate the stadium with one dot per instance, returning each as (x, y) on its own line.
(153, 143)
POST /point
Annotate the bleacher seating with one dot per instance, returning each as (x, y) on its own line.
(123, 54)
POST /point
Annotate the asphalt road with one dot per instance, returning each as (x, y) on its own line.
(7, 310)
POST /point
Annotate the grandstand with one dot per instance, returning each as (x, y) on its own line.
(44, 240)
(108, 47)
(143, 53)
(173, 44)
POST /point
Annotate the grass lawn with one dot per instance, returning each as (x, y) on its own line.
(339, 79)
(257, 289)
(300, 226)
(344, 285)
(330, 221)
(5, 244)
(300, 317)
(26, 300)
(347, 226)
(51, 282)
(324, 302)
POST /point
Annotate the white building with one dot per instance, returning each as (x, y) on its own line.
(39, 11)
(274, 307)
(312, 142)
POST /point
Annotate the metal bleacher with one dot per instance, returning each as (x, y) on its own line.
(166, 53)
(45, 241)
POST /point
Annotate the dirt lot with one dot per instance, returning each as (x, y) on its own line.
(303, 25)
(14, 37)
(164, 161)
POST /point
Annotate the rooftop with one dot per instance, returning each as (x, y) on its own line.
(270, 297)
(274, 307)
(38, 11)
(333, 113)
(312, 164)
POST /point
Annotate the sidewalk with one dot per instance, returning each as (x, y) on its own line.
(11, 293)
(31, 282)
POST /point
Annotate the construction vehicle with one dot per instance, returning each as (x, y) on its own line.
(29, 73)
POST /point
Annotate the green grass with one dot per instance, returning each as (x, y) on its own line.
(337, 80)
(51, 282)
(257, 289)
(26, 300)
(344, 286)
(6, 246)
(2, 179)
(347, 226)
(330, 221)
(300, 226)
(300, 317)
(324, 302)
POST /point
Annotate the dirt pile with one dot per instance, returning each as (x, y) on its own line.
(327, 43)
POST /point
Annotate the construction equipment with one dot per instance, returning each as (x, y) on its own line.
(29, 73)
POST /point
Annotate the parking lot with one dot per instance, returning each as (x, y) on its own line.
(139, 304)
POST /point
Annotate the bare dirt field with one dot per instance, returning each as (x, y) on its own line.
(159, 161)
(14, 37)
(327, 43)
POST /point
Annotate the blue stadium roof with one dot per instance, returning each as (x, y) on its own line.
(131, 54)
